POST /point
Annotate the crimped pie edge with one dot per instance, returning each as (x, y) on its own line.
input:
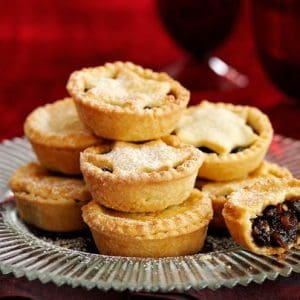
(242, 162)
(175, 225)
(53, 139)
(76, 86)
(187, 167)
(272, 169)
(22, 187)
(265, 134)
(269, 188)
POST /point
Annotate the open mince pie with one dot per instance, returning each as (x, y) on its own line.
(141, 177)
(123, 101)
(177, 230)
(234, 138)
(58, 136)
(220, 191)
(264, 218)
(48, 201)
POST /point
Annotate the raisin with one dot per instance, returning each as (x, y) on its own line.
(261, 231)
(295, 206)
(270, 212)
(278, 239)
(279, 208)
(288, 220)
(283, 237)
(272, 216)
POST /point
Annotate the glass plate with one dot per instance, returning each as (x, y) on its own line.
(72, 259)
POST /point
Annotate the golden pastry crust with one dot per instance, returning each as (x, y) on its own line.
(246, 204)
(48, 201)
(123, 101)
(142, 177)
(58, 136)
(220, 191)
(230, 166)
(177, 230)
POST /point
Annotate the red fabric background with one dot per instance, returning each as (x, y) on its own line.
(41, 42)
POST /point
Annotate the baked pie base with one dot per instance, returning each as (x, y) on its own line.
(58, 160)
(146, 191)
(231, 166)
(57, 136)
(127, 123)
(245, 206)
(48, 201)
(178, 230)
(220, 191)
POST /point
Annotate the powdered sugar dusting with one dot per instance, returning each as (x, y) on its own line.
(214, 127)
(147, 157)
(129, 89)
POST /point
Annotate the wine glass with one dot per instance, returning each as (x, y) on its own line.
(276, 25)
(200, 27)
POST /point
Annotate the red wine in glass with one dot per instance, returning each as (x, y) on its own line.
(277, 34)
(198, 27)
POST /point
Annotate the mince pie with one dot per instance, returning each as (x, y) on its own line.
(58, 136)
(235, 138)
(123, 101)
(220, 191)
(48, 201)
(265, 217)
(141, 177)
(177, 230)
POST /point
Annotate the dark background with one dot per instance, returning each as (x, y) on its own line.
(42, 42)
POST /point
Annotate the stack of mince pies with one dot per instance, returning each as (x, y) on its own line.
(126, 157)
(142, 178)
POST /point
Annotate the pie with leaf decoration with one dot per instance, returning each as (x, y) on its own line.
(235, 138)
(141, 177)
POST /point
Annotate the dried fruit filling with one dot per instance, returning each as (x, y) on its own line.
(278, 226)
